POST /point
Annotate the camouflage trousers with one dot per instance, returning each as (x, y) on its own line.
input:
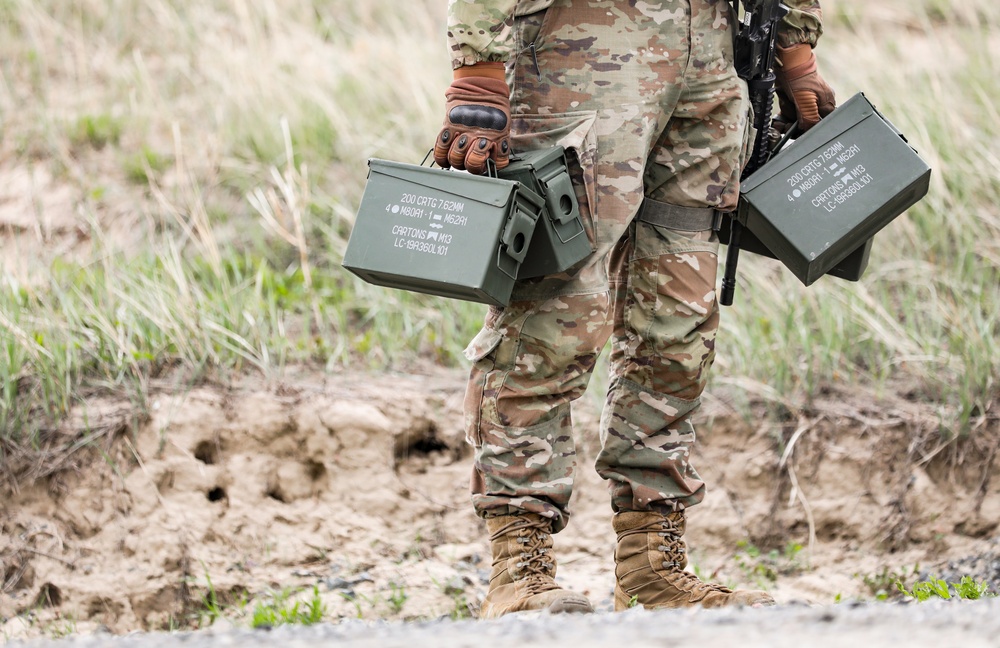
(645, 99)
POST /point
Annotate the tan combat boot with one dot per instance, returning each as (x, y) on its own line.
(523, 576)
(649, 567)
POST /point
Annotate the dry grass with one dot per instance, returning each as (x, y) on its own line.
(180, 179)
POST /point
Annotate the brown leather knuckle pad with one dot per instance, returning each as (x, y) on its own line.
(475, 161)
(456, 156)
(441, 149)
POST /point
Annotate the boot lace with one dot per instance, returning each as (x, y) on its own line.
(668, 528)
(672, 545)
(675, 560)
(536, 565)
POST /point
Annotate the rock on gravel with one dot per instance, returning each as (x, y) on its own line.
(969, 624)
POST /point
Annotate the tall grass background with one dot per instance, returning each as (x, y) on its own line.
(178, 181)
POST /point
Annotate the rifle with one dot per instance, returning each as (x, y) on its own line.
(755, 46)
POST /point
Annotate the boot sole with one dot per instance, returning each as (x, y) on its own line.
(557, 607)
(570, 607)
(622, 603)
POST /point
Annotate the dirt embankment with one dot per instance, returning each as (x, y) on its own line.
(357, 485)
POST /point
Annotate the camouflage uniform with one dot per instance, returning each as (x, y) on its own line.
(645, 97)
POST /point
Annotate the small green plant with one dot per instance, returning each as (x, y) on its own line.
(755, 568)
(882, 584)
(97, 130)
(352, 598)
(142, 166)
(634, 601)
(60, 627)
(763, 569)
(461, 608)
(398, 598)
(967, 589)
(211, 608)
(38, 618)
(281, 611)
(924, 590)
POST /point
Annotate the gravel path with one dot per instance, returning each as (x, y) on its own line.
(934, 623)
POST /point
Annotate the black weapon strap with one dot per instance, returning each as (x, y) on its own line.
(734, 20)
(728, 287)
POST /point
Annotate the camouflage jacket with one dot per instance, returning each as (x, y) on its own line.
(480, 30)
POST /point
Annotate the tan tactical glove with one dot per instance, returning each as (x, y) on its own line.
(477, 123)
(802, 92)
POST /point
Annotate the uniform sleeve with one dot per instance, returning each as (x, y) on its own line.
(480, 30)
(803, 24)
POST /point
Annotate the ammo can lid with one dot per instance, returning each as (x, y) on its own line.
(844, 118)
(495, 192)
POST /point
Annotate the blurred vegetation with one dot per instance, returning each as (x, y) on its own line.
(215, 153)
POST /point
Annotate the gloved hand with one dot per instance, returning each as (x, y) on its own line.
(477, 121)
(802, 92)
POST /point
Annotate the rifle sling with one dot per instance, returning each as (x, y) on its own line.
(675, 217)
(734, 21)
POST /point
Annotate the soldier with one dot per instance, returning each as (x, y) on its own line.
(645, 98)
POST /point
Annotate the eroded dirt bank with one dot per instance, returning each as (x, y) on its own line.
(356, 485)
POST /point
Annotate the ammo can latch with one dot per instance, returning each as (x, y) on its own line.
(517, 232)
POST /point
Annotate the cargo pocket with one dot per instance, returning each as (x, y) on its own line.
(486, 378)
(483, 344)
(672, 295)
(575, 132)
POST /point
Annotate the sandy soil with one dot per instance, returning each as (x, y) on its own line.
(357, 484)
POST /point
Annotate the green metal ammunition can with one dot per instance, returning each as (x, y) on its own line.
(817, 204)
(441, 232)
